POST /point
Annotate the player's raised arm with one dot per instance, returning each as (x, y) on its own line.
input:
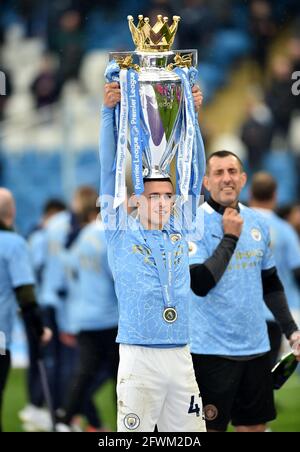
(206, 275)
(108, 144)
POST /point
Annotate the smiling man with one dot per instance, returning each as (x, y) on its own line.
(232, 274)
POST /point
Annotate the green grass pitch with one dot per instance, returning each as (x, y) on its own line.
(287, 402)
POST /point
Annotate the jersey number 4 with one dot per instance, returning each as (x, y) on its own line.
(194, 407)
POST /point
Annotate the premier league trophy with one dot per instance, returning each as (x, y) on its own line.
(156, 119)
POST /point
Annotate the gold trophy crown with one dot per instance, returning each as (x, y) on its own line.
(158, 38)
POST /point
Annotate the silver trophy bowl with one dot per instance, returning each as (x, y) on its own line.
(161, 95)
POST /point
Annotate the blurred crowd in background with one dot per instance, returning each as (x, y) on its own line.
(54, 55)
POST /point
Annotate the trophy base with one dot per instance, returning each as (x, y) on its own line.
(155, 59)
(155, 173)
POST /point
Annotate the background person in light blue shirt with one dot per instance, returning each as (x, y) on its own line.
(291, 214)
(37, 240)
(60, 232)
(16, 287)
(233, 273)
(285, 245)
(95, 315)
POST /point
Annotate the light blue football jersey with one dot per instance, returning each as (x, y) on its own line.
(285, 245)
(130, 255)
(15, 271)
(93, 302)
(230, 319)
(38, 254)
(54, 278)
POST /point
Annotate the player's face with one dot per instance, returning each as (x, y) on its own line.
(225, 180)
(155, 205)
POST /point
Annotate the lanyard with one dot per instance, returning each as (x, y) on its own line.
(165, 268)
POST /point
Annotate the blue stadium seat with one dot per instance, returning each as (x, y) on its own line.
(33, 177)
(210, 78)
(87, 168)
(227, 46)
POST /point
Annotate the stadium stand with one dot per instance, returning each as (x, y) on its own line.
(49, 140)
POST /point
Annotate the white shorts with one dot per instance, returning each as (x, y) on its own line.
(157, 386)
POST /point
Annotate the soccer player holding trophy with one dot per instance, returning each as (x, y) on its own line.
(147, 250)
